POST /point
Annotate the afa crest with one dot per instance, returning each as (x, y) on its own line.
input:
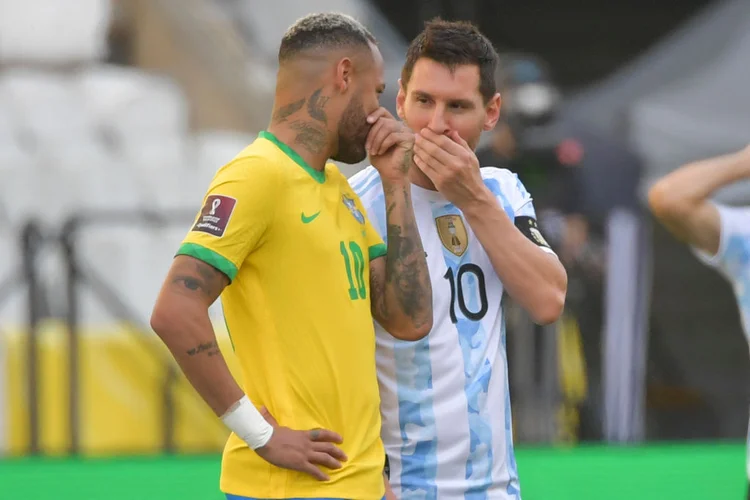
(349, 203)
(453, 234)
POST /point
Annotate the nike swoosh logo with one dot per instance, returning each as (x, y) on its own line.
(307, 220)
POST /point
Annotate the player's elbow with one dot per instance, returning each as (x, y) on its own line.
(165, 320)
(161, 320)
(665, 202)
(550, 310)
(550, 302)
(412, 331)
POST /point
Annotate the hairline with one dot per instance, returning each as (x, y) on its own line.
(356, 35)
(452, 68)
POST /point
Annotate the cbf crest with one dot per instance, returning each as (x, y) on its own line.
(349, 203)
(453, 234)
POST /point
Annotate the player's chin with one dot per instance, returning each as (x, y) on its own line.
(351, 155)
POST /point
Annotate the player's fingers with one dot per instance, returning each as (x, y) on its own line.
(403, 137)
(459, 140)
(325, 436)
(422, 165)
(324, 459)
(388, 142)
(314, 471)
(430, 153)
(381, 112)
(383, 132)
(330, 449)
(430, 149)
(444, 142)
(373, 134)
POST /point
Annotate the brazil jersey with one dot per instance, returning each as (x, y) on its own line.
(296, 243)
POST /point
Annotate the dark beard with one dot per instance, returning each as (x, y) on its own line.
(353, 130)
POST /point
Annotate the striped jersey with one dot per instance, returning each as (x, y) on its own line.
(733, 261)
(445, 402)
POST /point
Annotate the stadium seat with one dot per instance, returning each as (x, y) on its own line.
(22, 194)
(213, 148)
(53, 32)
(112, 253)
(133, 102)
(151, 266)
(160, 152)
(143, 116)
(13, 308)
(47, 108)
(12, 154)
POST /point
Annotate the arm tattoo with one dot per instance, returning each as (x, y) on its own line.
(315, 106)
(210, 348)
(377, 295)
(281, 114)
(198, 277)
(404, 268)
(309, 135)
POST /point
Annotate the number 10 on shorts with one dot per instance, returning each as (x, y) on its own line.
(354, 261)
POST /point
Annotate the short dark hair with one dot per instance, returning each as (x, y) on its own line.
(323, 30)
(454, 43)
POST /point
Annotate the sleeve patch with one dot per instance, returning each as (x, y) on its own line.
(529, 228)
(215, 215)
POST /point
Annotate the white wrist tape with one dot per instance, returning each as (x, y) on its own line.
(247, 422)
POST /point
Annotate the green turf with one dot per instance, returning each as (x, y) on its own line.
(707, 471)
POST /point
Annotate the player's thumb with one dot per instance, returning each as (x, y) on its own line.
(267, 415)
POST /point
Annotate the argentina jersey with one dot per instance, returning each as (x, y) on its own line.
(445, 401)
(732, 260)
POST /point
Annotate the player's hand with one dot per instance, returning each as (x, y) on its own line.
(449, 162)
(302, 451)
(390, 145)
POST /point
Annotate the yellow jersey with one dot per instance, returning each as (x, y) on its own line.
(296, 243)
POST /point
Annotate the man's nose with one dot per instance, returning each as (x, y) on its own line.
(438, 123)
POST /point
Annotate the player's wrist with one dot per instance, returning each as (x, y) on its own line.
(478, 203)
(396, 185)
(248, 424)
(395, 181)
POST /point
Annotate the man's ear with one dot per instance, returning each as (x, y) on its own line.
(492, 112)
(400, 100)
(343, 77)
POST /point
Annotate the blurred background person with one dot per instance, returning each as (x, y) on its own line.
(718, 233)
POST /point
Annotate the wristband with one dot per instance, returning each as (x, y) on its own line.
(247, 422)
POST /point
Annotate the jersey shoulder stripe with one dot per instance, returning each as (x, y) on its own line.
(510, 191)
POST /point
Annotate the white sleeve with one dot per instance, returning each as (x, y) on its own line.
(366, 184)
(516, 201)
(734, 241)
(509, 191)
(523, 204)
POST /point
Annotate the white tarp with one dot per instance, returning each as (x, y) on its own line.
(685, 99)
(703, 115)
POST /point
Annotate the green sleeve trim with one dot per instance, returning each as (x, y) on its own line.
(318, 175)
(209, 257)
(376, 251)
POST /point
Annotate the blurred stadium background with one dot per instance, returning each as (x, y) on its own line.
(115, 114)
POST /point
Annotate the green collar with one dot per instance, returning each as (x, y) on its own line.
(315, 174)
